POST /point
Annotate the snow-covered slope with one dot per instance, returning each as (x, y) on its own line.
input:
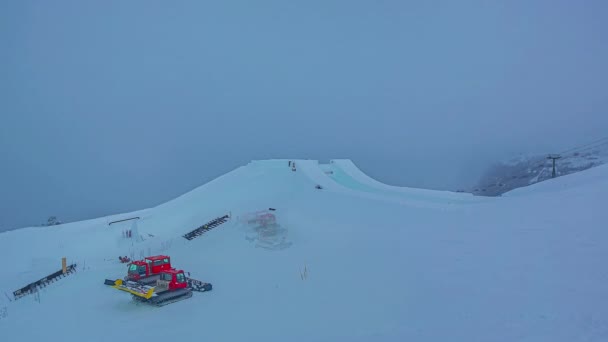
(344, 177)
(344, 171)
(530, 169)
(381, 266)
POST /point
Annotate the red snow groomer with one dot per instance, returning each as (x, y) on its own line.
(148, 271)
(172, 287)
(153, 281)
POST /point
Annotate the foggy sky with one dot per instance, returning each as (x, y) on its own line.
(113, 106)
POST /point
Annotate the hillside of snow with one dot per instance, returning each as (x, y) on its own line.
(522, 171)
(356, 260)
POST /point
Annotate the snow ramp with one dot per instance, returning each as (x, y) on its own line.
(311, 169)
(346, 173)
(334, 180)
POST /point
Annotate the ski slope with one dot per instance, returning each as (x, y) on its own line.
(347, 174)
(382, 264)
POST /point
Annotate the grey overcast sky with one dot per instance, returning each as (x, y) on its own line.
(113, 106)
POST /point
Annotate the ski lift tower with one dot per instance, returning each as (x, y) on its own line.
(553, 157)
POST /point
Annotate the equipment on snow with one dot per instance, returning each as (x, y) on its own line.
(148, 271)
(51, 278)
(154, 281)
(206, 227)
(173, 286)
(124, 260)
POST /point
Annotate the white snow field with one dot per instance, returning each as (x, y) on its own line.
(381, 264)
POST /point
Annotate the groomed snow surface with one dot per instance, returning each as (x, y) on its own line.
(382, 263)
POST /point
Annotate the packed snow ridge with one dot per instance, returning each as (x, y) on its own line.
(344, 258)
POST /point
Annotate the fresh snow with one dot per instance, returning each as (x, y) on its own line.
(382, 263)
(508, 175)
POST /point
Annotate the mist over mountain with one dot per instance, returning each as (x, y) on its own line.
(525, 170)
